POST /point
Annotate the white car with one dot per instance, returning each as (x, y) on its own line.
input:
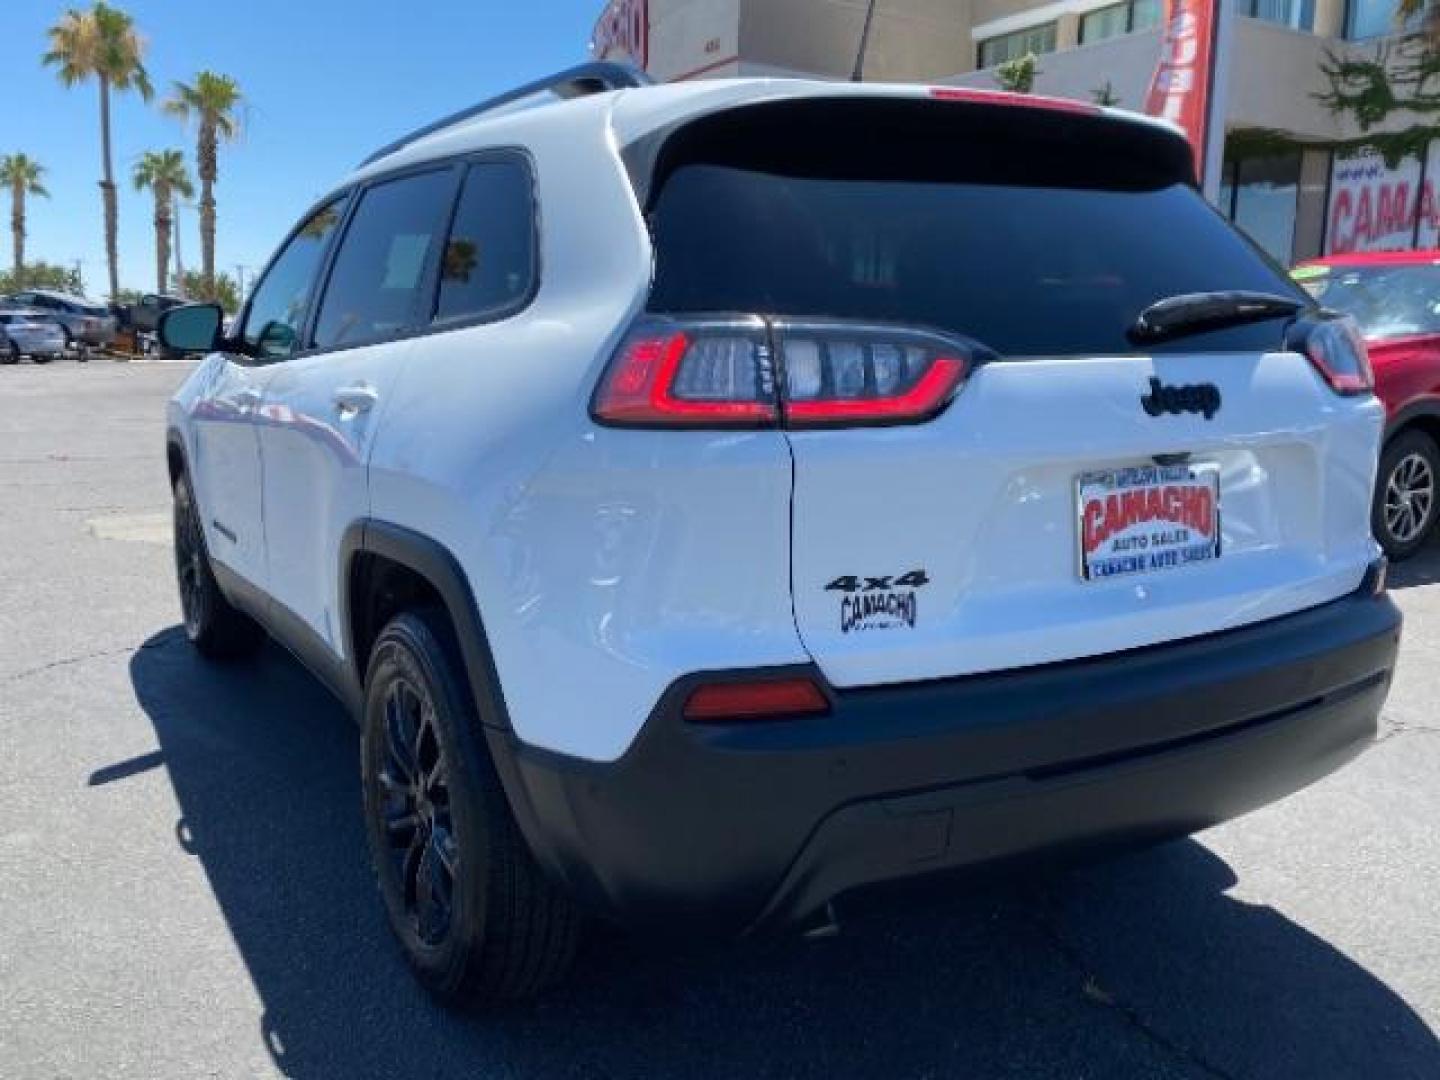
(713, 498)
(24, 332)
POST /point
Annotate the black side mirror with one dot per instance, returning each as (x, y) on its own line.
(276, 340)
(193, 328)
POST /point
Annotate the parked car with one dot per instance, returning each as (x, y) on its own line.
(144, 314)
(84, 322)
(1395, 298)
(705, 515)
(27, 332)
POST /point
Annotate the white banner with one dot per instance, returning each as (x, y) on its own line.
(1374, 207)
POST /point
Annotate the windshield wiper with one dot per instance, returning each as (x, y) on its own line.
(1193, 313)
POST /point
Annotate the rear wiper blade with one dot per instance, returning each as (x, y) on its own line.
(1193, 313)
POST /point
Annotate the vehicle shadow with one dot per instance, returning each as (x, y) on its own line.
(1139, 967)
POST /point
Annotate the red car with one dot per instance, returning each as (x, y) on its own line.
(1395, 296)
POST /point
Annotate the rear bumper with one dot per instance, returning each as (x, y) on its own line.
(747, 826)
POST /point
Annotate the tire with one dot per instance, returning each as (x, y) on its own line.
(1407, 494)
(214, 627)
(476, 918)
(38, 358)
(11, 355)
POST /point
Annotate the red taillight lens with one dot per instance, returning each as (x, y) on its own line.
(755, 700)
(727, 373)
(837, 374)
(1337, 350)
(706, 374)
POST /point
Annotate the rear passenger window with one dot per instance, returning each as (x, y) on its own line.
(489, 264)
(379, 271)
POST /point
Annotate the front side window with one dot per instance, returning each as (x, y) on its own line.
(278, 304)
(380, 270)
(488, 268)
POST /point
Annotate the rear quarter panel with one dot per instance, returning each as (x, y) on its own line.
(605, 563)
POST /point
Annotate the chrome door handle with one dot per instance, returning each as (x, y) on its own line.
(356, 399)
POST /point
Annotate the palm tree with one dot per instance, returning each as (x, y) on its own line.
(101, 44)
(164, 173)
(21, 175)
(212, 103)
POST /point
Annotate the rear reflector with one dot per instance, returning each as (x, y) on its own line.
(1336, 348)
(755, 700)
(730, 373)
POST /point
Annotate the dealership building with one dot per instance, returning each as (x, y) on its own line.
(1282, 182)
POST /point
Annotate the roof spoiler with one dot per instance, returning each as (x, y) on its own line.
(580, 81)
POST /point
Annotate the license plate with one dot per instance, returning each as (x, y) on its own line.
(1147, 518)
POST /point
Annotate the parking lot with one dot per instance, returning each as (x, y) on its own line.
(185, 889)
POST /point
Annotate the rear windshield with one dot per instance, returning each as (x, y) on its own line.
(1035, 237)
(1387, 301)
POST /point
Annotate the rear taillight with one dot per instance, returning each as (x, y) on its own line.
(843, 374)
(743, 373)
(1336, 348)
(713, 373)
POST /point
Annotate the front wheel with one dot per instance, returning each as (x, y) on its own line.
(1405, 493)
(212, 624)
(477, 919)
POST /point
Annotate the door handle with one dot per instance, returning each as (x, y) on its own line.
(247, 399)
(356, 399)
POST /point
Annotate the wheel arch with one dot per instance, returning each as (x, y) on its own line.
(1422, 415)
(386, 568)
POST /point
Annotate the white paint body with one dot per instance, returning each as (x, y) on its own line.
(607, 563)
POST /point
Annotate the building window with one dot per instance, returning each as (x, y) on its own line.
(1035, 39)
(1296, 14)
(1261, 195)
(1377, 18)
(1128, 17)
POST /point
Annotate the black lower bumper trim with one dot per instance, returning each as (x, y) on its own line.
(746, 826)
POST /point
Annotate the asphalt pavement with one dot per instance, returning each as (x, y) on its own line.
(184, 887)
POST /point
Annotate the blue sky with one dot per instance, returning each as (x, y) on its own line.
(326, 82)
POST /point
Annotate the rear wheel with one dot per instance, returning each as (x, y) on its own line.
(1406, 492)
(476, 918)
(212, 624)
(11, 355)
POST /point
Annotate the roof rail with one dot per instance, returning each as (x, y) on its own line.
(580, 81)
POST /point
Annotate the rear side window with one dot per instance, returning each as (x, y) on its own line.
(379, 273)
(278, 304)
(488, 269)
(1033, 235)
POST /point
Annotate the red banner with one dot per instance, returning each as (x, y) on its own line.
(1180, 90)
(623, 33)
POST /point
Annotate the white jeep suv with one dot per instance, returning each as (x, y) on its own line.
(713, 498)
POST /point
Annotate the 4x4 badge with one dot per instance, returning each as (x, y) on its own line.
(1198, 398)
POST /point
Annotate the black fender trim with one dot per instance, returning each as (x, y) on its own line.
(435, 563)
(1426, 408)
